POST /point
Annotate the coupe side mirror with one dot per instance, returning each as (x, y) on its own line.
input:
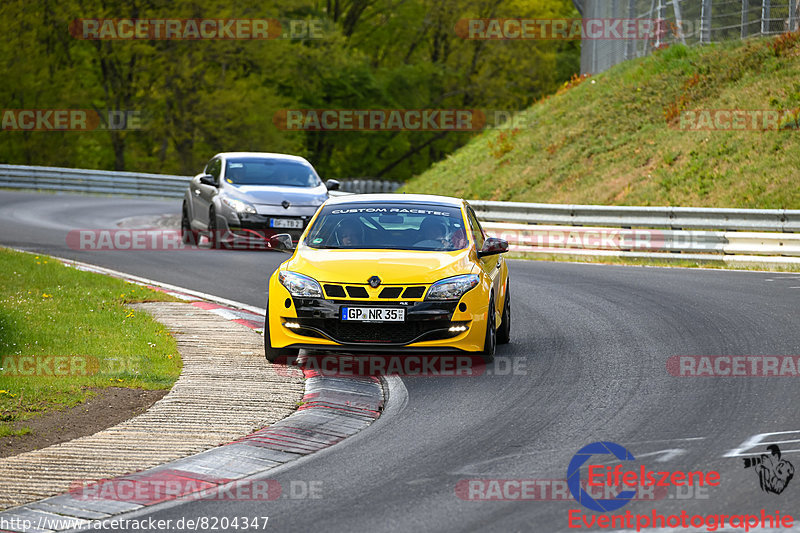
(493, 246)
(282, 242)
(208, 179)
(332, 185)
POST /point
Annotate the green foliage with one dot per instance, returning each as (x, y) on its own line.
(197, 98)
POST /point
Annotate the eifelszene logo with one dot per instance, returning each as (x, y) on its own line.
(599, 475)
(774, 473)
(574, 476)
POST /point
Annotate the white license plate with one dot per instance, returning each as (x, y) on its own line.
(290, 223)
(373, 314)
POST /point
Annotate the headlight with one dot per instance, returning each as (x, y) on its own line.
(452, 288)
(239, 206)
(300, 285)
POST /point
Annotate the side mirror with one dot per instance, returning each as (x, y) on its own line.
(332, 185)
(282, 242)
(208, 179)
(493, 246)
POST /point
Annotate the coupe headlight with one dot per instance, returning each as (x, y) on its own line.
(300, 285)
(452, 288)
(239, 206)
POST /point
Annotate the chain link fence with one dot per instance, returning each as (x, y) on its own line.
(684, 21)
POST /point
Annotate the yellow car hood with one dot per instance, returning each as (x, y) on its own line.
(392, 266)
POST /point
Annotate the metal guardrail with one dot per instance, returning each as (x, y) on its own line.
(783, 220)
(134, 183)
(92, 181)
(622, 231)
(367, 186)
(561, 240)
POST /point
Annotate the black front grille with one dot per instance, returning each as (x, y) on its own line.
(334, 291)
(378, 333)
(357, 292)
(381, 333)
(390, 292)
(414, 292)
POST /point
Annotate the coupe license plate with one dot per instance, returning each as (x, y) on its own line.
(290, 223)
(373, 314)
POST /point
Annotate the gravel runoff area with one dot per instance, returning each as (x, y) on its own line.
(226, 390)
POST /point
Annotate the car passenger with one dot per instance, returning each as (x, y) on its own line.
(350, 232)
(458, 239)
(433, 233)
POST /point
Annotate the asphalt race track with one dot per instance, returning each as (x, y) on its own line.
(590, 346)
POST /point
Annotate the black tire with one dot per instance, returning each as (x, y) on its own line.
(504, 332)
(188, 235)
(273, 354)
(213, 232)
(490, 341)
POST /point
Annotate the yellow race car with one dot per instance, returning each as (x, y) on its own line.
(390, 273)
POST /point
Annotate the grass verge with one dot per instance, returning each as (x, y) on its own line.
(617, 138)
(64, 332)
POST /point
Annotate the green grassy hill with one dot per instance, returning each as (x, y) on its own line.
(616, 138)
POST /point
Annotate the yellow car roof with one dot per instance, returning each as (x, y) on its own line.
(393, 197)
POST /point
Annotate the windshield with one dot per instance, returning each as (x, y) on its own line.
(261, 171)
(389, 226)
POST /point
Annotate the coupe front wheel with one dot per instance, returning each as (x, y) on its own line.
(188, 235)
(274, 354)
(504, 333)
(213, 232)
(490, 341)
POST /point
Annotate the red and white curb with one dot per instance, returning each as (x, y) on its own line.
(332, 410)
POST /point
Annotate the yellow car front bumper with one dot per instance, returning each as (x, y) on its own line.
(317, 323)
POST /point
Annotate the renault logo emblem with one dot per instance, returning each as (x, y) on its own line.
(374, 282)
(286, 204)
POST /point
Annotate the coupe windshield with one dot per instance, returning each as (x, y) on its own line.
(261, 171)
(390, 226)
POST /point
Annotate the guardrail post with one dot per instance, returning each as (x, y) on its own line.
(676, 7)
(705, 22)
(745, 6)
(660, 19)
(630, 44)
(765, 16)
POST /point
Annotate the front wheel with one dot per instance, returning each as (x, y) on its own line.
(188, 235)
(213, 232)
(273, 354)
(490, 341)
(504, 333)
